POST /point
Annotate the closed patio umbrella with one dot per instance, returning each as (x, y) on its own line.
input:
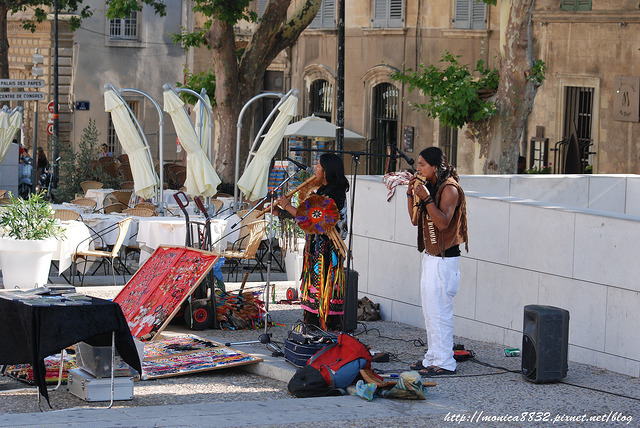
(206, 120)
(253, 182)
(314, 126)
(202, 179)
(144, 176)
(10, 122)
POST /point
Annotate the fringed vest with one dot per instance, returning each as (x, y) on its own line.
(435, 241)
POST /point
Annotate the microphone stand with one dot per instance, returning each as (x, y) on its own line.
(266, 337)
(355, 156)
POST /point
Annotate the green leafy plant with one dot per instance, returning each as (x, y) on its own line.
(196, 82)
(78, 165)
(540, 170)
(30, 219)
(457, 95)
(538, 72)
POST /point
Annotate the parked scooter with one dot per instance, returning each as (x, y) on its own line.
(46, 180)
(24, 177)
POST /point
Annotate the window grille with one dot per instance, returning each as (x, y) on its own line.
(124, 28)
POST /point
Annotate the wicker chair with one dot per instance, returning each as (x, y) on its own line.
(125, 172)
(139, 212)
(114, 208)
(147, 205)
(85, 202)
(111, 168)
(66, 215)
(246, 247)
(86, 185)
(3, 192)
(122, 196)
(127, 185)
(123, 158)
(5, 200)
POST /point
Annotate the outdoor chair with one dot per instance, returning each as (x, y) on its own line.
(148, 205)
(124, 170)
(246, 247)
(3, 192)
(66, 215)
(85, 202)
(5, 200)
(127, 185)
(122, 196)
(113, 208)
(123, 158)
(103, 255)
(139, 212)
(86, 185)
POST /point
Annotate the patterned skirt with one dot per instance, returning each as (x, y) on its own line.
(323, 282)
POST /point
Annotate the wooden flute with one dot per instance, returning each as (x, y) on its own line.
(308, 182)
(416, 200)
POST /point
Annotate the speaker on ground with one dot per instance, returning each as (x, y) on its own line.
(350, 317)
(545, 343)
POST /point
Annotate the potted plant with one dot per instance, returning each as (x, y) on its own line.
(29, 238)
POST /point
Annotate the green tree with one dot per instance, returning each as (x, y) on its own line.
(239, 75)
(496, 124)
(39, 8)
(80, 164)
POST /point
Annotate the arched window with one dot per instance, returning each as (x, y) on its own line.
(321, 99)
(384, 126)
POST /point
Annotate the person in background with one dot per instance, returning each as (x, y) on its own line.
(105, 151)
(323, 275)
(522, 165)
(442, 227)
(42, 162)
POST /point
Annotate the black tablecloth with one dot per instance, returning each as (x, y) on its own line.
(29, 334)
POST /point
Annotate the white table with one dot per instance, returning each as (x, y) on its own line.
(98, 195)
(80, 209)
(99, 222)
(76, 233)
(156, 231)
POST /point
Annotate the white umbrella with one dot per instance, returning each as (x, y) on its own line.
(144, 176)
(206, 120)
(253, 182)
(10, 122)
(201, 177)
(314, 126)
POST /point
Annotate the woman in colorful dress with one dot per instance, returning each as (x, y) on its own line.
(323, 275)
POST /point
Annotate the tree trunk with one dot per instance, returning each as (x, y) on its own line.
(4, 42)
(500, 136)
(237, 82)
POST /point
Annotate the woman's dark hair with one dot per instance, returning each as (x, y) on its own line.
(436, 157)
(334, 171)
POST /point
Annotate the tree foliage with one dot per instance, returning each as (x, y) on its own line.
(457, 95)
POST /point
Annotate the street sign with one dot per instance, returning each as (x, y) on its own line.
(21, 83)
(50, 107)
(50, 129)
(21, 96)
(82, 105)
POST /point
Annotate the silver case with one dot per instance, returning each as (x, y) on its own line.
(89, 388)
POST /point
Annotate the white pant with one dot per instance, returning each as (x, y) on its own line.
(438, 285)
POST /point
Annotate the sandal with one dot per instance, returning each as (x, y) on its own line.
(417, 366)
(435, 371)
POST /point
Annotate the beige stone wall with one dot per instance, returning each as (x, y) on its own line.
(585, 48)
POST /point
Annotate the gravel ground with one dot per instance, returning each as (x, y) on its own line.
(490, 383)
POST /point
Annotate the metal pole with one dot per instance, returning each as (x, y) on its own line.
(340, 80)
(56, 138)
(34, 172)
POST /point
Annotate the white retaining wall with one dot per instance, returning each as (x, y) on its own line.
(565, 241)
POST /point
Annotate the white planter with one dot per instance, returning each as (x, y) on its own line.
(293, 263)
(25, 264)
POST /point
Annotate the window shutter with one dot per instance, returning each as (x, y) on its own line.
(478, 15)
(462, 18)
(575, 5)
(583, 5)
(395, 13)
(262, 4)
(326, 16)
(380, 13)
(328, 13)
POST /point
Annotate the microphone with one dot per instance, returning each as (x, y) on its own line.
(300, 165)
(403, 155)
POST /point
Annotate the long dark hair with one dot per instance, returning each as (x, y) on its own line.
(334, 171)
(436, 157)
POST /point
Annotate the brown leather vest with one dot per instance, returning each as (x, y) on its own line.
(435, 241)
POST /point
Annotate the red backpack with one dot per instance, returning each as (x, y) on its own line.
(341, 362)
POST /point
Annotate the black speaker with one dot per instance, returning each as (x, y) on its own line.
(350, 317)
(545, 343)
